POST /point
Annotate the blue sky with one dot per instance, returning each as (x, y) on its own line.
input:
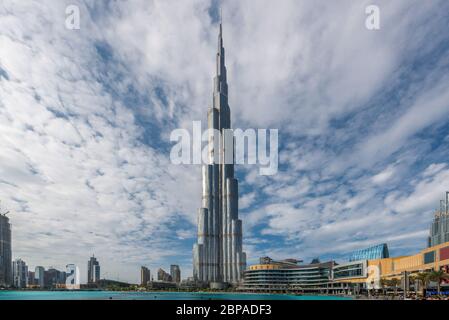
(86, 115)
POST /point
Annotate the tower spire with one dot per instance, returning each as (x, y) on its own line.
(221, 18)
(220, 41)
(221, 86)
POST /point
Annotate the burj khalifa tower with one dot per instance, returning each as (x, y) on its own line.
(218, 255)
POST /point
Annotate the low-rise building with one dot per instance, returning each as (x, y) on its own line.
(288, 275)
(162, 285)
(348, 277)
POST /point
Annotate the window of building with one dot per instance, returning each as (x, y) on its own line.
(444, 253)
(429, 257)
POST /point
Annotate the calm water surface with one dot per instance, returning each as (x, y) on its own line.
(116, 295)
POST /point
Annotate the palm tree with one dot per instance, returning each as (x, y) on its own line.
(438, 276)
(412, 281)
(384, 283)
(394, 283)
(423, 279)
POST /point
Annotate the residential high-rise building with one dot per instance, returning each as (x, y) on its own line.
(144, 275)
(20, 273)
(439, 230)
(93, 270)
(163, 276)
(175, 273)
(5, 252)
(54, 278)
(31, 278)
(39, 276)
(218, 255)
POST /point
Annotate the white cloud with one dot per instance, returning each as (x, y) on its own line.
(427, 191)
(85, 116)
(384, 175)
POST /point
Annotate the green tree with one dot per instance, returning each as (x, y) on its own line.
(384, 283)
(423, 279)
(412, 281)
(395, 282)
(438, 276)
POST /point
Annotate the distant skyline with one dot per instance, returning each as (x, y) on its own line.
(85, 119)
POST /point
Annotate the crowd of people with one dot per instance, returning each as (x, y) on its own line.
(408, 296)
(435, 297)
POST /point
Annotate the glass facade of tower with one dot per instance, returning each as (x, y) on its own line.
(20, 273)
(39, 275)
(5, 252)
(93, 270)
(175, 273)
(218, 255)
(144, 275)
(439, 230)
(377, 252)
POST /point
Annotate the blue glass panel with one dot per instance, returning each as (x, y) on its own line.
(429, 257)
(376, 252)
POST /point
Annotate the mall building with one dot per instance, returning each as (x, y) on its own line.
(363, 271)
(350, 277)
(366, 274)
(289, 275)
(367, 267)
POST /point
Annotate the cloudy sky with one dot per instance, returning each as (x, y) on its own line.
(86, 115)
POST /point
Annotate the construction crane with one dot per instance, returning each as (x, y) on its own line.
(3, 213)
